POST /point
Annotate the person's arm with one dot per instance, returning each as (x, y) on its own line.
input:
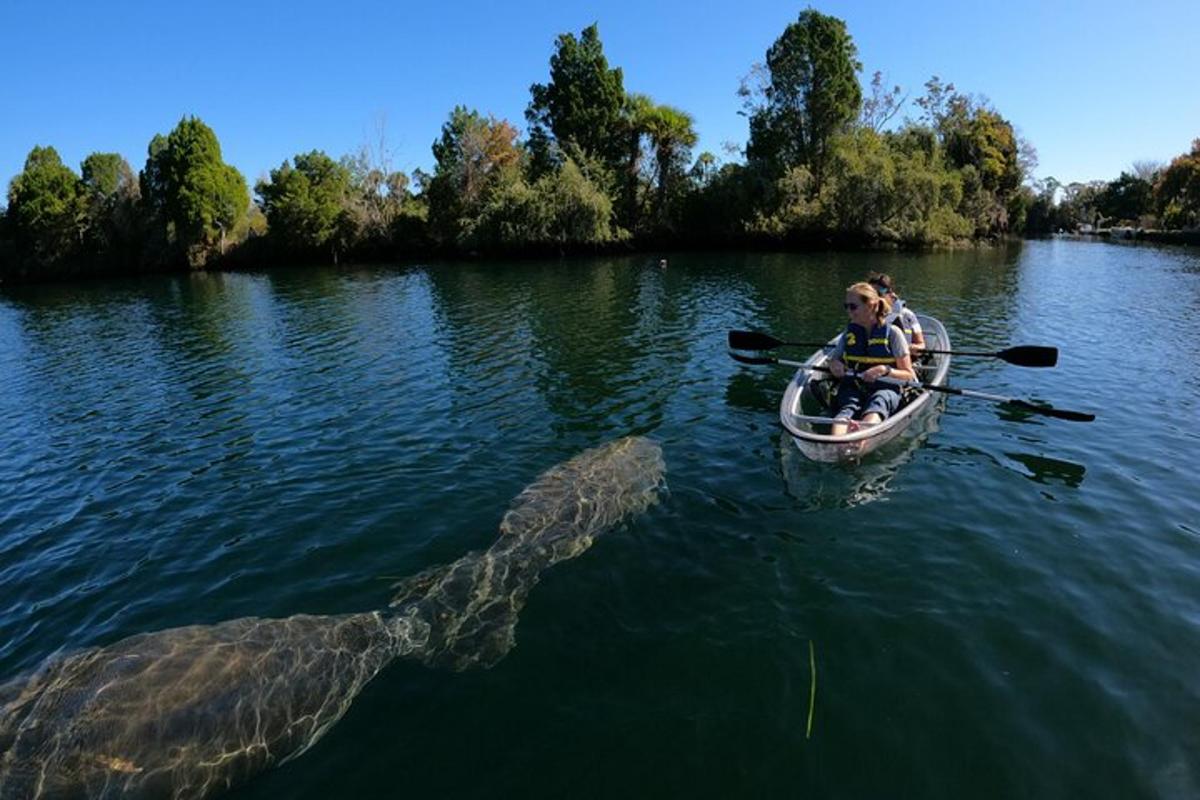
(903, 370)
(918, 334)
(836, 365)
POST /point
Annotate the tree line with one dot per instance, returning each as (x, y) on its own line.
(1150, 196)
(828, 162)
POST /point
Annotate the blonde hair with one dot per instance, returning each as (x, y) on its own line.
(881, 305)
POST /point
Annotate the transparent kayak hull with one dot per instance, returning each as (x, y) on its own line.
(802, 403)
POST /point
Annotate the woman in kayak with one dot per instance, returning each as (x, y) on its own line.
(869, 349)
(901, 313)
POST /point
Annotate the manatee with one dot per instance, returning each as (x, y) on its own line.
(190, 712)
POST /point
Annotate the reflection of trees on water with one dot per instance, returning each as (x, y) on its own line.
(799, 296)
(599, 341)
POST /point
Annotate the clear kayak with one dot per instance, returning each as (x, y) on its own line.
(807, 403)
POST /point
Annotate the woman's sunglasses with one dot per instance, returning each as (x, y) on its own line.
(850, 306)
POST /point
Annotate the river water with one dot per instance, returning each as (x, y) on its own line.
(999, 605)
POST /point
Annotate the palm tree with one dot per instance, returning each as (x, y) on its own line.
(636, 116)
(672, 136)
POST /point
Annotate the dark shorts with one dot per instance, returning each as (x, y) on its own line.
(856, 399)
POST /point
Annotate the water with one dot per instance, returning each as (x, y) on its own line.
(1002, 605)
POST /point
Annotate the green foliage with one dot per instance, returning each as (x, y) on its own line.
(981, 138)
(111, 196)
(991, 160)
(810, 94)
(305, 204)
(1043, 215)
(1127, 199)
(47, 212)
(196, 197)
(719, 210)
(1080, 202)
(1177, 191)
(862, 177)
(893, 188)
(475, 155)
(560, 210)
(106, 174)
(635, 117)
(672, 136)
(582, 104)
(378, 206)
(795, 209)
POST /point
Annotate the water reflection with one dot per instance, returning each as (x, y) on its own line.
(1046, 470)
(754, 391)
(815, 485)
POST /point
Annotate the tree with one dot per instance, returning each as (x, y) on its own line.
(1148, 170)
(980, 137)
(560, 210)
(106, 174)
(704, 171)
(582, 103)
(305, 204)
(1127, 199)
(194, 194)
(474, 156)
(672, 137)
(111, 195)
(46, 210)
(936, 103)
(810, 94)
(1177, 192)
(893, 188)
(882, 105)
(1079, 203)
(635, 116)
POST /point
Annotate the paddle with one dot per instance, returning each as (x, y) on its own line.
(1049, 411)
(1026, 355)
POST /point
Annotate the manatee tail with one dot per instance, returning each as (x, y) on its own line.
(471, 606)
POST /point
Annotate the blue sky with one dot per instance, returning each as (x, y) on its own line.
(1095, 86)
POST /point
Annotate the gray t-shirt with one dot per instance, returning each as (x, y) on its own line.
(897, 343)
(910, 323)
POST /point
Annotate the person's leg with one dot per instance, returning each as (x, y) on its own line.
(848, 401)
(881, 405)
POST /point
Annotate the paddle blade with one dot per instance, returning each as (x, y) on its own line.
(752, 340)
(744, 359)
(1029, 355)
(1050, 411)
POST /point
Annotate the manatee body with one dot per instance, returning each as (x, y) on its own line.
(190, 711)
(193, 711)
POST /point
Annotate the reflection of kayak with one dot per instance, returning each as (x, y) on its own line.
(809, 399)
(816, 486)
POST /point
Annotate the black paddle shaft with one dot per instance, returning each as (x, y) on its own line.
(1026, 355)
(1048, 411)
